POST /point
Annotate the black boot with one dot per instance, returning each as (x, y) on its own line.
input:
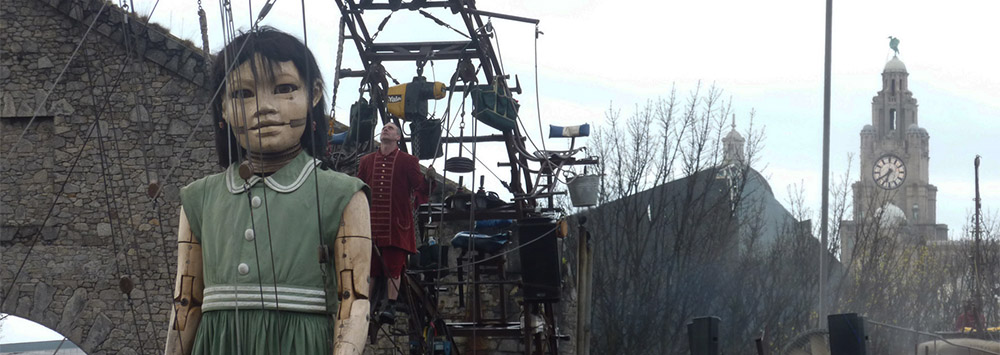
(388, 314)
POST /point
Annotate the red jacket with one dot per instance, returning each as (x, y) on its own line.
(397, 188)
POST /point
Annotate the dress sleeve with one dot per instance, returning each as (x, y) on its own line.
(192, 199)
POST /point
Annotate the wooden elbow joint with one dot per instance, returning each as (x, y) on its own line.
(186, 305)
(353, 260)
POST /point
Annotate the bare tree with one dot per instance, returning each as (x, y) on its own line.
(682, 232)
(895, 276)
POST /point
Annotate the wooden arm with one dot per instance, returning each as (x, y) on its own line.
(352, 252)
(189, 290)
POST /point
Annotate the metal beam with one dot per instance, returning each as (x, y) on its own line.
(470, 139)
(421, 51)
(504, 16)
(412, 5)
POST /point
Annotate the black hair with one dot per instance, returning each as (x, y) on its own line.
(273, 46)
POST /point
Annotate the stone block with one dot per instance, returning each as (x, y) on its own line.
(30, 47)
(155, 36)
(98, 333)
(72, 310)
(179, 127)
(162, 151)
(105, 128)
(25, 110)
(188, 70)
(76, 12)
(139, 114)
(157, 56)
(50, 233)
(11, 299)
(23, 305)
(104, 29)
(42, 298)
(7, 233)
(171, 88)
(40, 177)
(172, 64)
(172, 44)
(62, 107)
(76, 86)
(91, 240)
(44, 63)
(9, 109)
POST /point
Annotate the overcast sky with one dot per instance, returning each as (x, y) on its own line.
(766, 55)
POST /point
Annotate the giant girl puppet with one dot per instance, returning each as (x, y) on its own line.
(274, 252)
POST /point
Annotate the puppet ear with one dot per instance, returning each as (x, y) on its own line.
(317, 93)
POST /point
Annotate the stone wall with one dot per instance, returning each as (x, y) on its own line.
(75, 215)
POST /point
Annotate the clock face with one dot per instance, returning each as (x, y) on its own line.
(889, 172)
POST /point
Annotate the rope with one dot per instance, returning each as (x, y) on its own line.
(229, 34)
(336, 74)
(324, 268)
(381, 26)
(538, 101)
(442, 23)
(111, 203)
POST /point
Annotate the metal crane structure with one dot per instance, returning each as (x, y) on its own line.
(533, 225)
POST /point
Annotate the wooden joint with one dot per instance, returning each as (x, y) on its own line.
(184, 302)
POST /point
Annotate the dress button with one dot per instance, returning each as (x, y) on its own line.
(249, 235)
(244, 269)
(255, 201)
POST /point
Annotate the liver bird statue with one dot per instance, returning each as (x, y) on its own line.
(894, 44)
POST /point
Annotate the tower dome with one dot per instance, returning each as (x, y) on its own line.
(732, 145)
(890, 216)
(894, 66)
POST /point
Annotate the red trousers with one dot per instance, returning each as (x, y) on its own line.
(394, 259)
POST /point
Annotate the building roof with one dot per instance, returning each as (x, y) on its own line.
(894, 66)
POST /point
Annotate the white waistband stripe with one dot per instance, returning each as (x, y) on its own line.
(257, 289)
(267, 297)
(214, 306)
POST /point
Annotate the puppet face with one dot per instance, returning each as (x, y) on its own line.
(267, 112)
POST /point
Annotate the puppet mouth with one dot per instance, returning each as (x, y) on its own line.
(293, 123)
(257, 127)
(262, 124)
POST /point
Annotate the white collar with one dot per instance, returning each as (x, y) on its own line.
(287, 179)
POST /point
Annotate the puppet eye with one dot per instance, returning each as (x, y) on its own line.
(285, 88)
(241, 94)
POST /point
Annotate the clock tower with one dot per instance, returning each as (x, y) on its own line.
(895, 154)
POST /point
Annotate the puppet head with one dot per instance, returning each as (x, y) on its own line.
(271, 100)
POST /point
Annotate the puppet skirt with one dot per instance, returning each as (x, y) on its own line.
(263, 332)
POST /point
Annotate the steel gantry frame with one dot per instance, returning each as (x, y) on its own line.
(478, 47)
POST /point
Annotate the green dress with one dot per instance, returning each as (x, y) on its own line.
(265, 289)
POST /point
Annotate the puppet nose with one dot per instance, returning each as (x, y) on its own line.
(265, 109)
